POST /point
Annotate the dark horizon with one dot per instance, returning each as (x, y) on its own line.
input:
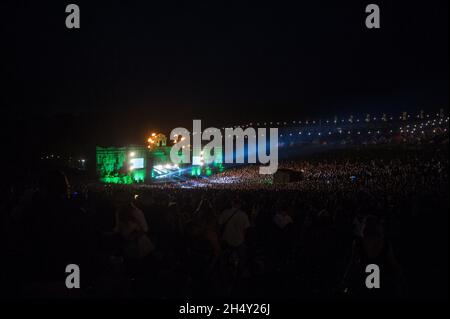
(135, 67)
(201, 58)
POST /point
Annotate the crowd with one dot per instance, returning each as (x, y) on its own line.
(237, 234)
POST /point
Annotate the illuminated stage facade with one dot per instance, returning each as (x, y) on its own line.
(137, 164)
(124, 165)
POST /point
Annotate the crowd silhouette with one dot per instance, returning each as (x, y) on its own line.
(249, 238)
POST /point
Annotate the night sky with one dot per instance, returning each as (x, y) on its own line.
(140, 65)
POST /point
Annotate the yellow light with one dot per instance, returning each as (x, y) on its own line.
(154, 134)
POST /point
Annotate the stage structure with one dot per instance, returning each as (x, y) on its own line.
(136, 164)
(124, 165)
